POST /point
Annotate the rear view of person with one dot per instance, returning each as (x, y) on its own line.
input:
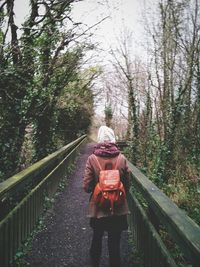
(108, 207)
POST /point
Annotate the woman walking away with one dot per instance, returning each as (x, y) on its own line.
(107, 178)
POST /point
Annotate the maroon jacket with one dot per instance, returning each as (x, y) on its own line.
(107, 154)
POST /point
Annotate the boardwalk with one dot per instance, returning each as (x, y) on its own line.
(66, 238)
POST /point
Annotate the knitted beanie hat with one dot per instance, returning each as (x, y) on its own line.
(106, 134)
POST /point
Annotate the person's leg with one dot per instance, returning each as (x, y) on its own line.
(96, 247)
(114, 248)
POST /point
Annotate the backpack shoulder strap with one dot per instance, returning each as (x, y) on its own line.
(98, 163)
(118, 158)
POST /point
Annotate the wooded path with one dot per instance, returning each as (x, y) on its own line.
(65, 239)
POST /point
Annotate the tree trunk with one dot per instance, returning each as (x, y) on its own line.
(11, 141)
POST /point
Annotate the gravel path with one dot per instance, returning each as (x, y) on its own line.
(65, 240)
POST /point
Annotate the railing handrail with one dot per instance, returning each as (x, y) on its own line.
(19, 222)
(18, 178)
(184, 231)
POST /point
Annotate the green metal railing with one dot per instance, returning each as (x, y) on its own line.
(145, 223)
(20, 221)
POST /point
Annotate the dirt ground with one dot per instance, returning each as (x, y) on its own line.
(66, 237)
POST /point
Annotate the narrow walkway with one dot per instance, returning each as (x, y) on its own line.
(65, 241)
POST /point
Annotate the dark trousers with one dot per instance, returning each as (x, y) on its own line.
(113, 247)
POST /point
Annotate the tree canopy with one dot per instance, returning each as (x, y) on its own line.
(40, 79)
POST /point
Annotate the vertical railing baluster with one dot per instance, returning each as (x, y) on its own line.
(19, 228)
(7, 244)
(2, 244)
(15, 231)
(29, 215)
(10, 234)
(31, 212)
(23, 223)
(34, 208)
(19, 223)
(26, 218)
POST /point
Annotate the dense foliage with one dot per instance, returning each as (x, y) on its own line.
(36, 70)
(163, 100)
(170, 121)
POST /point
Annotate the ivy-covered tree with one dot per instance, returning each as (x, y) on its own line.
(176, 53)
(13, 88)
(35, 68)
(75, 106)
(108, 115)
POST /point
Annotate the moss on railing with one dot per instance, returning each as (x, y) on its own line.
(16, 187)
(17, 225)
(184, 231)
(36, 168)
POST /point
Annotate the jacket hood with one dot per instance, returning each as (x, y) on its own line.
(106, 149)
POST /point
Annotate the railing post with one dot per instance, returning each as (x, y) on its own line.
(153, 218)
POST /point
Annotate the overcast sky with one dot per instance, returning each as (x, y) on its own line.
(120, 14)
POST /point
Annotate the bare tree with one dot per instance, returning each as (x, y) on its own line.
(128, 86)
(174, 57)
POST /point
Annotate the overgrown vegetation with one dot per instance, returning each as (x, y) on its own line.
(42, 85)
(170, 121)
(163, 98)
